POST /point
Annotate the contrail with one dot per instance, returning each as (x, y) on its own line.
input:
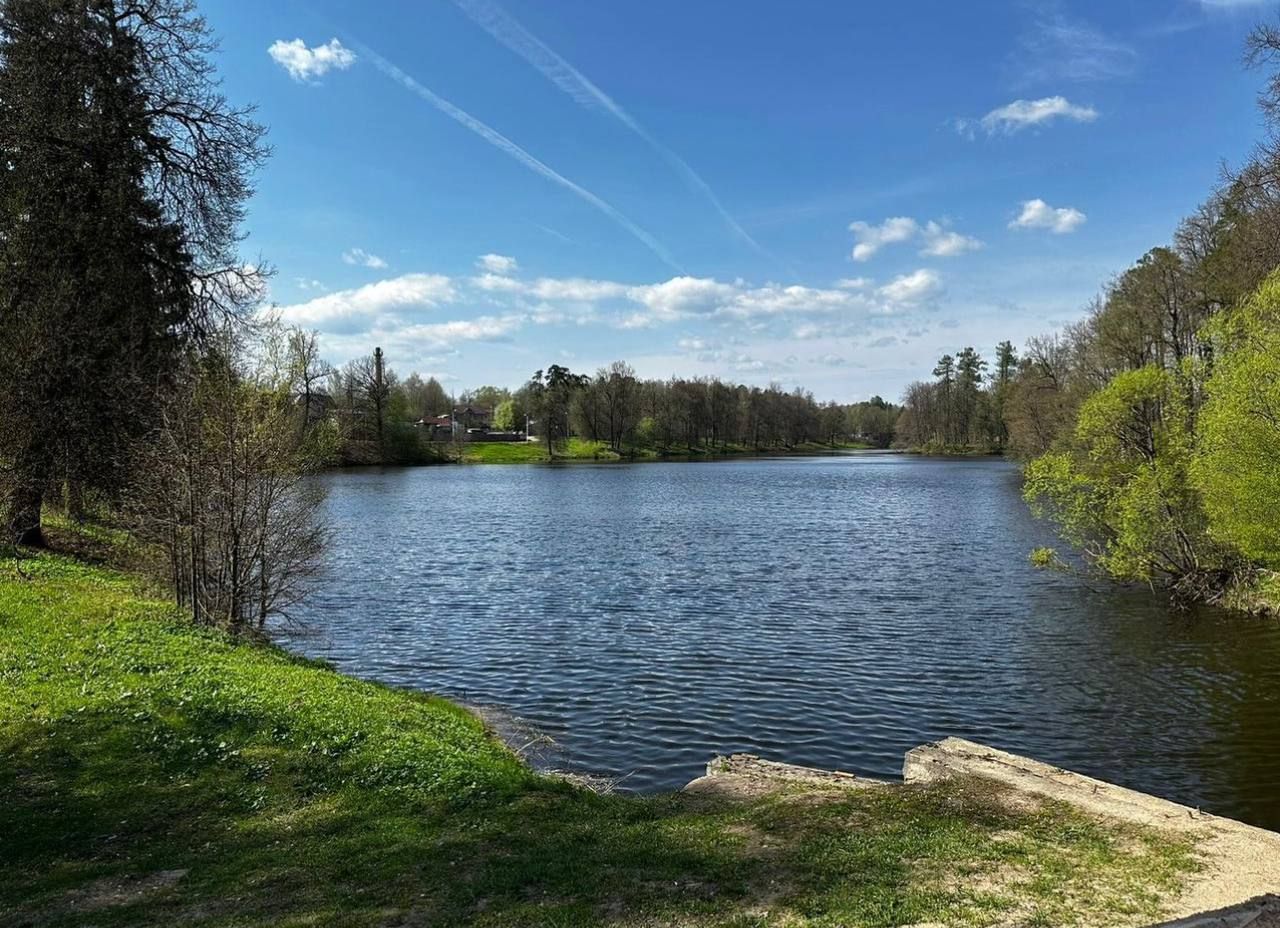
(502, 26)
(501, 142)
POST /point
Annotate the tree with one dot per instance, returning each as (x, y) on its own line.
(953, 412)
(619, 392)
(1236, 468)
(423, 398)
(832, 421)
(551, 397)
(1006, 368)
(224, 493)
(968, 401)
(307, 372)
(504, 417)
(121, 194)
(873, 421)
(1123, 493)
(485, 397)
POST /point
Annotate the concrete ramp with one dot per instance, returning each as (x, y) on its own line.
(1239, 886)
(742, 776)
(953, 757)
(1242, 863)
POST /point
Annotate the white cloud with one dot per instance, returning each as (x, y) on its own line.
(911, 289)
(307, 64)
(1023, 114)
(398, 293)
(697, 344)
(773, 300)
(482, 328)
(941, 242)
(869, 239)
(576, 289)
(682, 296)
(741, 326)
(498, 264)
(1037, 214)
(308, 283)
(363, 258)
(809, 330)
(746, 364)
(497, 283)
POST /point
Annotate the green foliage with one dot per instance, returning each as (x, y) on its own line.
(157, 774)
(1238, 468)
(1170, 475)
(504, 417)
(1123, 492)
(1044, 558)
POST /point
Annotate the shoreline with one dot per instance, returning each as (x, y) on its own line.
(474, 453)
(170, 769)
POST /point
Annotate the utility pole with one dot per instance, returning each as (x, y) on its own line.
(379, 399)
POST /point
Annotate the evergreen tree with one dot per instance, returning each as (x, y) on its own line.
(120, 196)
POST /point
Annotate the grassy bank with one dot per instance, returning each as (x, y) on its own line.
(152, 773)
(581, 449)
(574, 449)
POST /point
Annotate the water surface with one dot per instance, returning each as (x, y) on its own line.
(831, 611)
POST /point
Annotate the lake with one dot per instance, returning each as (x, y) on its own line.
(830, 611)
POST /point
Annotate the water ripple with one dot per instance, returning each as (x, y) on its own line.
(827, 611)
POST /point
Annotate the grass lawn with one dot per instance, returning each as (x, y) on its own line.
(152, 773)
(533, 452)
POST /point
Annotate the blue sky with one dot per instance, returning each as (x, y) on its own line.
(818, 193)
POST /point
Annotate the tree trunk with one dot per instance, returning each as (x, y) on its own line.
(77, 509)
(24, 516)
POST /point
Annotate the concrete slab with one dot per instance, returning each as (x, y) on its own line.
(1242, 862)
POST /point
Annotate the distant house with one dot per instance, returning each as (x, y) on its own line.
(466, 423)
(436, 427)
(473, 417)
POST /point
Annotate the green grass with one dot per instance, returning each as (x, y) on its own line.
(152, 773)
(573, 449)
(496, 452)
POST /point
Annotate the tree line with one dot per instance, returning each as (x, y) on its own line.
(375, 413)
(964, 408)
(1151, 428)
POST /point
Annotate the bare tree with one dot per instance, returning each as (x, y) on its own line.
(227, 495)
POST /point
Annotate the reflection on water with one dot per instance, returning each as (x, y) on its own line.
(825, 611)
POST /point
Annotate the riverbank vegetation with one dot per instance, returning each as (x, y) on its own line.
(157, 773)
(1151, 428)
